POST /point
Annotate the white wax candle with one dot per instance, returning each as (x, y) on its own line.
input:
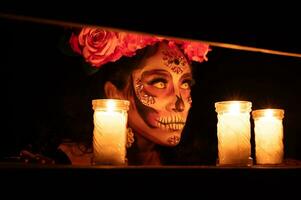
(269, 137)
(109, 136)
(234, 132)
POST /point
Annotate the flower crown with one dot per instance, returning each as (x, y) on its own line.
(99, 46)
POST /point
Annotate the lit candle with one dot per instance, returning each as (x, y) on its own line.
(234, 132)
(268, 135)
(109, 135)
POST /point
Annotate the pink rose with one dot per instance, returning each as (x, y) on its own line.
(98, 46)
(130, 43)
(196, 51)
(174, 43)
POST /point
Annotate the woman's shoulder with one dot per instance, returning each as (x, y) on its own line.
(78, 154)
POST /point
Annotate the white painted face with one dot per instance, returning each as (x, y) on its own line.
(161, 101)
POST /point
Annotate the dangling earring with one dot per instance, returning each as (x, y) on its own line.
(130, 137)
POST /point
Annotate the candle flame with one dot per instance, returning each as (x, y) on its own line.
(110, 105)
(234, 108)
(268, 113)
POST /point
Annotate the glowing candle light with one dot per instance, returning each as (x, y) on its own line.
(234, 132)
(268, 135)
(109, 136)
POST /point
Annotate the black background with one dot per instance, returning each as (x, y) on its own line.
(36, 76)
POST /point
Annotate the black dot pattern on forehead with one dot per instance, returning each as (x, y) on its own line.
(174, 60)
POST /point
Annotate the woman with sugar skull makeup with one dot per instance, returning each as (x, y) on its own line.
(153, 73)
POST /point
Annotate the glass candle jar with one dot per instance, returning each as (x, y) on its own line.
(109, 135)
(268, 135)
(234, 132)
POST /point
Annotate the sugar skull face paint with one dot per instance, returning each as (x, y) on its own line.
(175, 60)
(161, 96)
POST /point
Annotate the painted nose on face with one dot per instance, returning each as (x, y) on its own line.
(179, 105)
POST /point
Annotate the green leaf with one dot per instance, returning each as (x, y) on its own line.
(64, 45)
(89, 70)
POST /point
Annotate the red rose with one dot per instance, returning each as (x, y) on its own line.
(98, 46)
(74, 44)
(130, 43)
(196, 51)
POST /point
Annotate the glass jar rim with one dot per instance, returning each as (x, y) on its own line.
(113, 104)
(225, 106)
(275, 112)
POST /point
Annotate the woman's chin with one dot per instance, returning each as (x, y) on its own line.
(167, 137)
